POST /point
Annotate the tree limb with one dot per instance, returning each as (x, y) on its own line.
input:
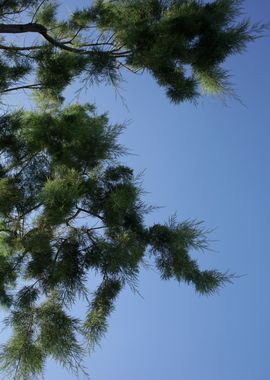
(24, 87)
(42, 30)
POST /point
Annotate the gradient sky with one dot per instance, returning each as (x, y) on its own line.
(209, 162)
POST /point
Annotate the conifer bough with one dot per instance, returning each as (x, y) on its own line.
(57, 169)
(182, 43)
(67, 206)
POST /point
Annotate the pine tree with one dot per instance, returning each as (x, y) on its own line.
(182, 43)
(56, 169)
(68, 207)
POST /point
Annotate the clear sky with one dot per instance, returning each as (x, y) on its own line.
(209, 162)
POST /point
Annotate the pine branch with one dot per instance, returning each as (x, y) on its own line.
(24, 87)
(42, 30)
(20, 48)
(37, 9)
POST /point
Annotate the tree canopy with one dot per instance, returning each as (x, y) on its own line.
(182, 43)
(56, 169)
(68, 207)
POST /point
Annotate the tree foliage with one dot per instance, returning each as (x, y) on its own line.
(68, 207)
(56, 169)
(182, 43)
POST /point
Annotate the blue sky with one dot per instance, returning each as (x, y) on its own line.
(209, 162)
